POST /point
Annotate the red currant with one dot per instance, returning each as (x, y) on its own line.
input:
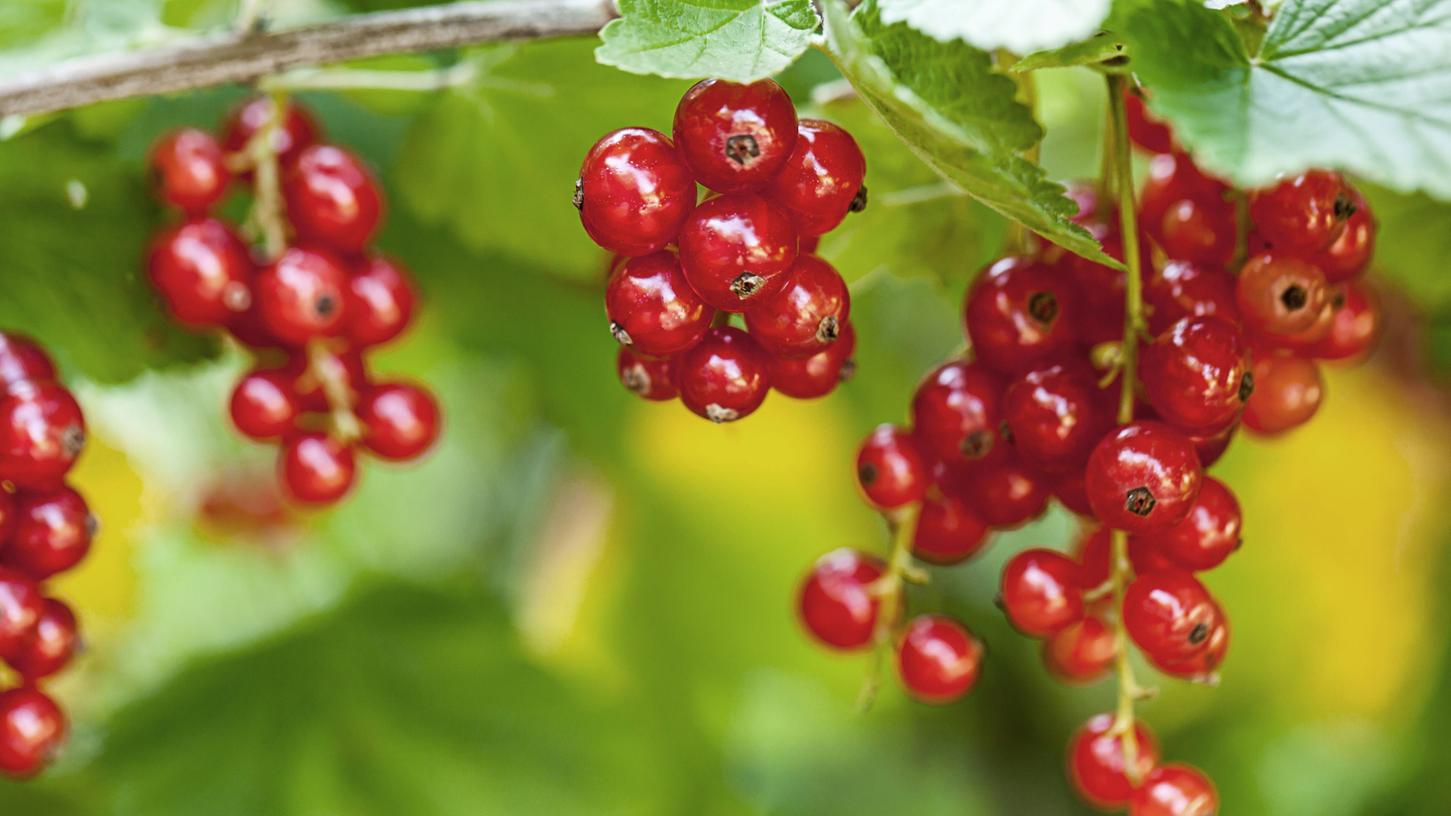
(1094, 551)
(725, 376)
(1019, 313)
(1354, 326)
(50, 646)
(1056, 415)
(819, 374)
(1006, 493)
(1184, 289)
(378, 301)
(822, 180)
(1207, 535)
(42, 432)
(737, 249)
(1169, 614)
(315, 468)
(32, 728)
(297, 129)
(956, 413)
(938, 659)
(648, 377)
(300, 295)
(634, 192)
(1200, 666)
(1196, 374)
(805, 317)
(1198, 230)
(1098, 289)
(332, 198)
(264, 405)
(53, 532)
(891, 469)
(189, 169)
(1097, 764)
(1069, 491)
(1212, 445)
(1175, 790)
(308, 369)
(735, 138)
(1042, 591)
(1172, 178)
(22, 361)
(1350, 254)
(1081, 652)
(948, 531)
(836, 602)
(1143, 476)
(1280, 294)
(1305, 213)
(1146, 559)
(1145, 130)
(1288, 391)
(202, 271)
(21, 606)
(400, 420)
(652, 309)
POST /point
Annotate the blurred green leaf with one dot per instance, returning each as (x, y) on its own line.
(1412, 245)
(740, 40)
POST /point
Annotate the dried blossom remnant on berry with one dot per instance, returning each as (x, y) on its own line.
(848, 370)
(621, 336)
(1199, 633)
(747, 284)
(1294, 297)
(858, 201)
(977, 444)
(867, 474)
(578, 198)
(72, 440)
(1043, 307)
(636, 379)
(1140, 501)
(828, 330)
(1246, 386)
(741, 148)
(718, 414)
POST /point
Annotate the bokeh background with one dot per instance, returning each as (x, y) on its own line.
(582, 603)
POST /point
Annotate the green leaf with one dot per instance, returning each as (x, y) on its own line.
(957, 115)
(1413, 240)
(1103, 47)
(1016, 25)
(1357, 85)
(741, 40)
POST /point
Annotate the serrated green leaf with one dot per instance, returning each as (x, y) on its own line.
(1358, 85)
(741, 40)
(1016, 25)
(1103, 47)
(947, 104)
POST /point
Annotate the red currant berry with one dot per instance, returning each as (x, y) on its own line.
(735, 138)
(836, 602)
(948, 531)
(1019, 314)
(1207, 535)
(1143, 476)
(650, 378)
(1305, 213)
(725, 376)
(1145, 130)
(819, 374)
(1094, 550)
(264, 405)
(1350, 254)
(297, 130)
(1069, 491)
(1006, 493)
(891, 469)
(250, 331)
(634, 192)
(42, 432)
(1198, 230)
(1097, 765)
(1196, 375)
(21, 606)
(1098, 289)
(1354, 326)
(1172, 178)
(316, 468)
(202, 271)
(50, 645)
(308, 370)
(378, 302)
(1081, 652)
(189, 169)
(22, 361)
(1056, 415)
(1200, 666)
(1183, 289)
(1288, 391)
(938, 659)
(806, 316)
(400, 420)
(1146, 559)
(1087, 196)
(1042, 591)
(53, 532)
(332, 198)
(822, 180)
(736, 249)
(1175, 790)
(300, 295)
(956, 413)
(1279, 294)
(32, 728)
(1169, 614)
(1211, 446)
(652, 309)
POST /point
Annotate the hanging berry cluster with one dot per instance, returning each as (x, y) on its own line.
(1112, 394)
(45, 529)
(309, 301)
(682, 269)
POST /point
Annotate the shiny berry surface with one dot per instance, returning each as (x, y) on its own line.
(938, 659)
(1145, 130)
(1097, 766)
(735, 137)
(822, 180)
(42, 432)
(1355, 324)
(1196, 374)
(32, 729)
(1068, 489)
(1018, 314)
(1304, 213)
(1041, 592)
(819, 374)
(264, 405)
(836, 604)
(1081, 652)
(50, 645)
(1349, 255)
(725, 376)
(1212, 445)
(948, 531)
(53, 532)
(1202, 231)
(21, 606)
(652, 309)
(1007, 493)
(1169, 614)
(806, 315)
(736, 249)
(1175, 790)
(1288, 392)
(634, 191)
(651, 378)
(1143, 476)
(202, 271)
(297, 130)
(378, 302)
(1280, 294)
(189, 169)
(1093, 550)
(1056, 414)
(1201, 665)
(1208, 535)
(300, 296)
(332, 198)
(1172, 177)
(891, 469)
(316, 468)
(1184, 289)
(400, 420)
(22, 360)
(956, 412)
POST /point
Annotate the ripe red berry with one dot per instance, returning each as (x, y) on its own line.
(1288, 391)
(1185, 289)
(1081, 652)
(53, 532)
(1143, 476)
(956, 413)
(1098, 767)
(202, 271)
(1196, 374)
(891, 469)
(735, 137)
(1354, 325)
(1201, 665)
(1172, 178)
(50, 645)
(264, 405)
(819, 374)
(1201, 230)
(1094, 550)
(32, 729)
(1147, 559)
(1042, 591)
(1280, 294)
(634, 191)
(1207, 535)
(1349, 255)
(938, 659)
(948, 531)
(400, 420)
(300, 295)
(1169, 614)
(189, 169)
(21, 606)
(378, 301)
(1056, 415)
(1068, 489)
(1019, 313)
(1145, 130)
(22, 361)
(42, 432)
(651, 378)
(652, 309)
(1098, 289)
(1305, 213)
(737, 249)
(836, 603)
(1007, 493)
(315, 468)
(806, 315)
(725, 376)
(822, 180)
(1175, 790)
(297, 130)
(1212, 445)
(332, 198)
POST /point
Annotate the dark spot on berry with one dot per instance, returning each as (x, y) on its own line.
(858, 201)
(1294, 297)
(867, 474)
(578, 194)
(977, 444)
(72, 439)
(1344, 207)
(325, 306)
(93, 525)
(621, 336)
(848, 370)
(1043, 307)
(746, 285)
(1005, 432)
(1246, 386)
(1140, 501)
(1199, 633)
(1238, 543)
(636, 379)
(741, 148)
(1337, 300)
(828, 330)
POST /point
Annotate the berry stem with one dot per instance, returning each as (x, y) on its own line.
(327, 369)
(267, 216)
(1121, 162)
(889, 590)
(349, 79)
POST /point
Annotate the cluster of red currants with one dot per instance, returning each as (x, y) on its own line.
(1036, 413)
(682, 268)
(45, 529)
(309, 309)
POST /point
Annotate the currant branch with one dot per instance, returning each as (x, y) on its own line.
(889, 591)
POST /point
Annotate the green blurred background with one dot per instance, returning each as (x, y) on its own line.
(582, 603)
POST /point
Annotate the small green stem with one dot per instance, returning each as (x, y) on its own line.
(267, 217)
(889, 590)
